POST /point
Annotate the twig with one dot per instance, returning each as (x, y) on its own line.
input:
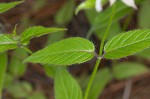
(127, 89)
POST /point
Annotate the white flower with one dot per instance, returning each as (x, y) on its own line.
(98, 5)
(130, 3)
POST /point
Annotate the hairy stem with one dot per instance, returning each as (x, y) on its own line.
(100, 54)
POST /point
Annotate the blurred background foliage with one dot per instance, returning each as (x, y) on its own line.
(34, 81)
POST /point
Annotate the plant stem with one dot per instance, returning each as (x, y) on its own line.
(100, 54)
(28, 50)
(107, 30)
(3, 63)
(92, 78)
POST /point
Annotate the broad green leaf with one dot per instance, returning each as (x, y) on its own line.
(36, 31)
(127, 44)
(102, 78)
(144, 15)
(128, 69)
(88, 4)
(7, 42)
(3, 65)
(20, 90)
(6, 6)
(66, 86)
(65, 14)
(65, 52)
(17, 68)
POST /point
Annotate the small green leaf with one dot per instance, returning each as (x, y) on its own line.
(127, 44)
(128, 69)
(17, 68)
(3, 65)
(7, 42)
(6, 6)
(65, 52)
(66, 86)
(36, 31)
(66, 13)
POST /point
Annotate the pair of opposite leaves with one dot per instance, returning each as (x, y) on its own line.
(78, 50)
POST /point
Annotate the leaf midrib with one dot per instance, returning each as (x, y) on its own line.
(4, 43)
(91, 51)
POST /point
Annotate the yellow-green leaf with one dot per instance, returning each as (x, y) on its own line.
(127, 44)
(6, 6)
(65, 52)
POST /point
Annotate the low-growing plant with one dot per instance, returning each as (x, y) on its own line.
(58, 56)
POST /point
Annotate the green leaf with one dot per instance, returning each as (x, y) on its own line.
(128, 69)
(6, 6)
(66, 86)
(144, 15)
(3, 65)
(7, 42)
(127, 44)
(17, 68)
(102, 78)
(36, 31)
(65, 13)
(65, 52)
